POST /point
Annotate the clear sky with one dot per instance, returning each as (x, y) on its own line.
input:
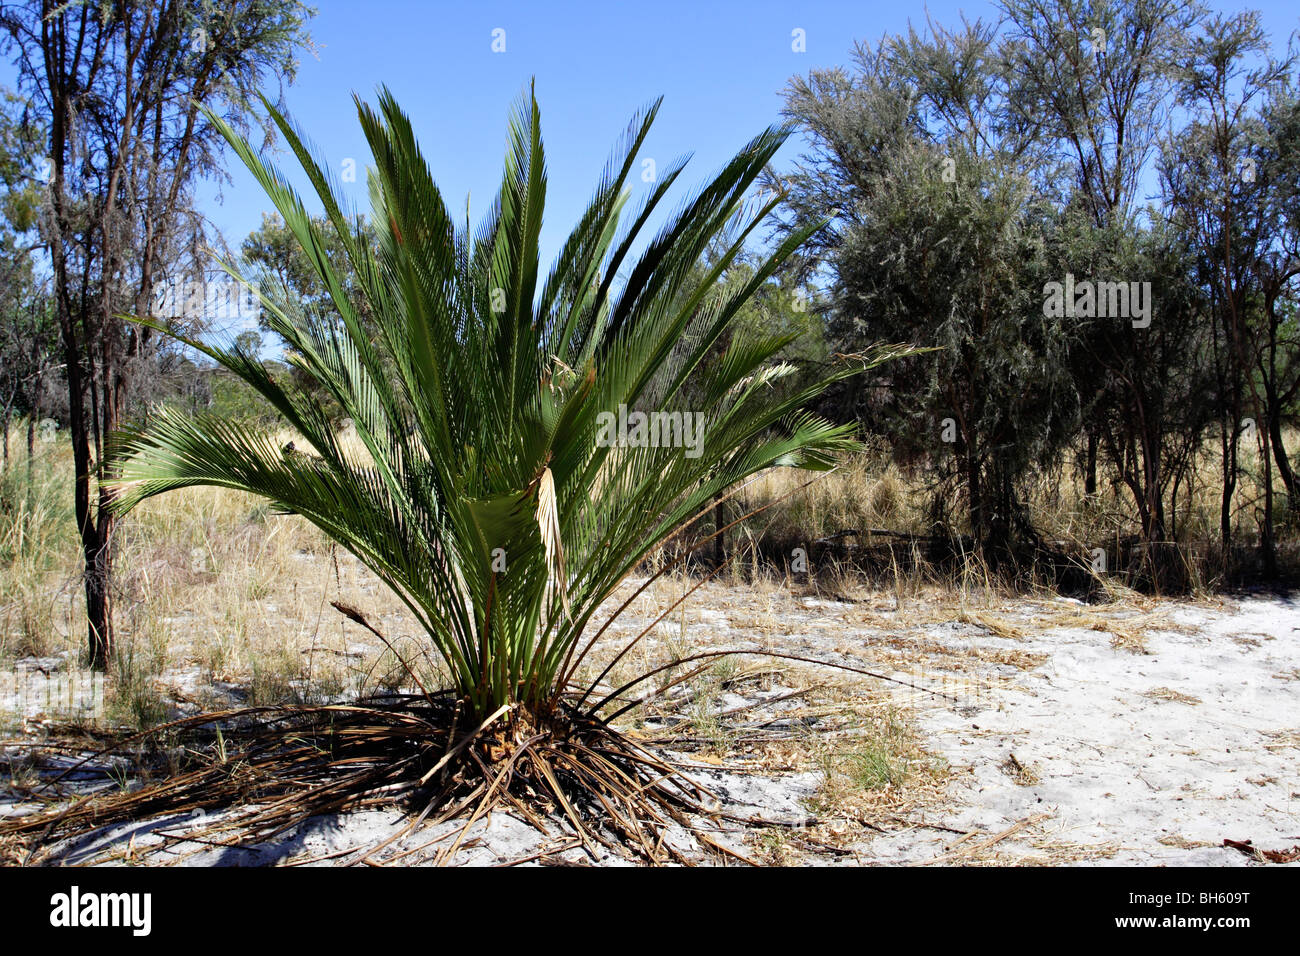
(720, 65)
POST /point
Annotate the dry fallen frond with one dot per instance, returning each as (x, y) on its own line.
(270, 769)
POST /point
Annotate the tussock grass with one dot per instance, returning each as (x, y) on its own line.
(206, 579)
(876, 763)
(38, 578)
(872, 493)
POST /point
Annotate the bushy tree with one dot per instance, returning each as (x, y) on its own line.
(937, 241)
(120, 84)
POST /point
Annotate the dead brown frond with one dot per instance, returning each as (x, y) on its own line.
(268, 770)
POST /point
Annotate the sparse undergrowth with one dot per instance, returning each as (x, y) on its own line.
(225, 605)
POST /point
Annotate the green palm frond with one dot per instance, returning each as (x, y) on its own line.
(481, 386)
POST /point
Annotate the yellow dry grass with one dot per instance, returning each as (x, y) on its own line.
(214, 590)
(1168, 693)
(206, 579)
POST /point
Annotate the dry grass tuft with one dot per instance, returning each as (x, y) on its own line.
(1282, 739)
(875, 766)
(1128, 631)
(1168, 693)
(1022, 774)
(997, 625)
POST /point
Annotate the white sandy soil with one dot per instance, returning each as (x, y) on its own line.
(1062, 745)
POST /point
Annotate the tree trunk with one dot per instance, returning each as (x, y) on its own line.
(1090, 472)
(1270, 549)
(974, 493)
(99, 542)
(1280, 456)
(99, 597)
(1225, 500)
(1155, 509)
(1273, 401)
(31, 448)
(719, 545)
(1173, 506)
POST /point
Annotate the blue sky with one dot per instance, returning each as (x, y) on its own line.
(719, 67)
(719, 64)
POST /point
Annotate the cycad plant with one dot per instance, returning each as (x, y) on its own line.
(525, 440)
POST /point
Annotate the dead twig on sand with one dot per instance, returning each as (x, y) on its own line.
(971, 850)
(1264, 856)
